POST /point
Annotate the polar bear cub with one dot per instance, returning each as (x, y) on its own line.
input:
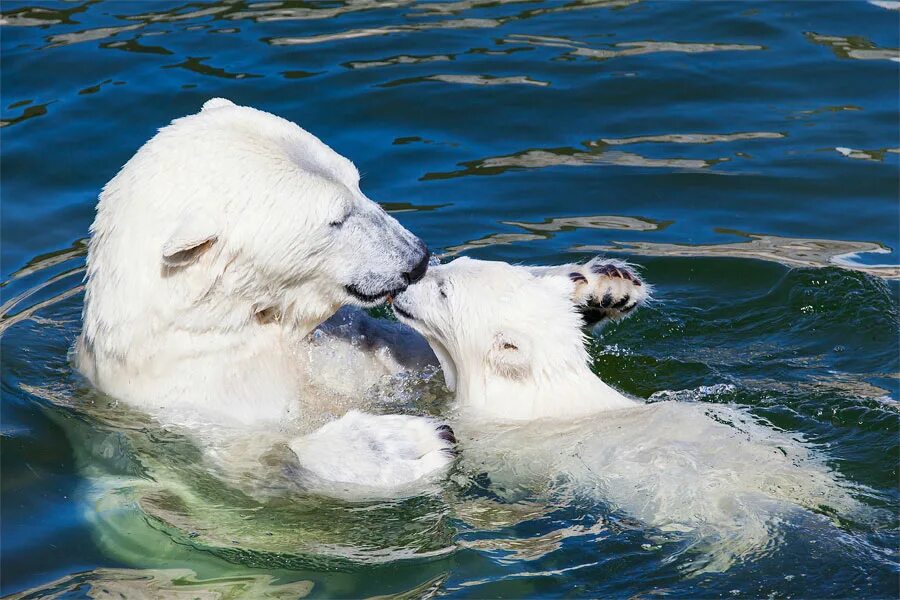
(509, 339)
(530, 411)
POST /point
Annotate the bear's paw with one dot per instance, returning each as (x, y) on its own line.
(607, 289)
(377, 451)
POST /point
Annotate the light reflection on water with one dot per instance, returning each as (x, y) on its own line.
(593, 126)
(788, 251)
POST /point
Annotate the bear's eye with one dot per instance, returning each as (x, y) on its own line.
(441, 290)
(341, 219)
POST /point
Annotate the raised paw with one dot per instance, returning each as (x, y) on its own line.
(607, 289)
(382, 451)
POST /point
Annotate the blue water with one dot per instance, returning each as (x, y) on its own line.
(744, 154)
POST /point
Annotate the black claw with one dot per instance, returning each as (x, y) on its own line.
(446, 433)
(592, 315)
(601, 269)
(614, 271)
(577, 277)
(622, 302)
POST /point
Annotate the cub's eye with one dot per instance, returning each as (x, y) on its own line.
(337, 224)
(441, 290)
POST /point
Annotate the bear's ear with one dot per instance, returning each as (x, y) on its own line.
(509, 356)
(194, 235)
(216, 103)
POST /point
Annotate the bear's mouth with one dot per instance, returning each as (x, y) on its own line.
(440, 351)
(446, 362)
(371, 298)
(402, 313)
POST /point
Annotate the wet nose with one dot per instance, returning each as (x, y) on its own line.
(418, 271)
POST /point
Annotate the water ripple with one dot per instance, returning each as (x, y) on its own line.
(691, 138)
(627, 48)
(379, 31)
(133, 45)
(597, 152)
(195, 64)
(855, 47)
(403, 59)
(540, 158)
(283, 11)
(873, 155)
(88, 35)
(550, 226)
(794, 252)
(470, 80)
(166, 583)
(41, 16)
(174, 15)
(30, 112)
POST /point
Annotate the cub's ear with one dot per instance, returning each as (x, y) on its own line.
(193, 236)
(216, 103)
(509, 356)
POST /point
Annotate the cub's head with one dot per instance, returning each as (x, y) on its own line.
(514, 322)
(233, 212)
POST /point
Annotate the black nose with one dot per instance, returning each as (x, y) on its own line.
(418, 271)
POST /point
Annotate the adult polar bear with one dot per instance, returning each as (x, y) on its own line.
(216, 250)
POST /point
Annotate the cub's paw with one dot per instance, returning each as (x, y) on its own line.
(607, 289)
(380, 451)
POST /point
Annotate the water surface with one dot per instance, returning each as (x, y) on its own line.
(745, 155)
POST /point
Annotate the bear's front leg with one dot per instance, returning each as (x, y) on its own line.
(376, 451)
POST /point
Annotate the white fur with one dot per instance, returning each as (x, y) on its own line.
(509, 338)
(530, 411)
(216, 250)
(388, 450)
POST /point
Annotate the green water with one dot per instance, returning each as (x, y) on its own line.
(745, 155)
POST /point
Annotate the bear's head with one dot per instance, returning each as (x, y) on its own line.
(516, 325)
(233, 216)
